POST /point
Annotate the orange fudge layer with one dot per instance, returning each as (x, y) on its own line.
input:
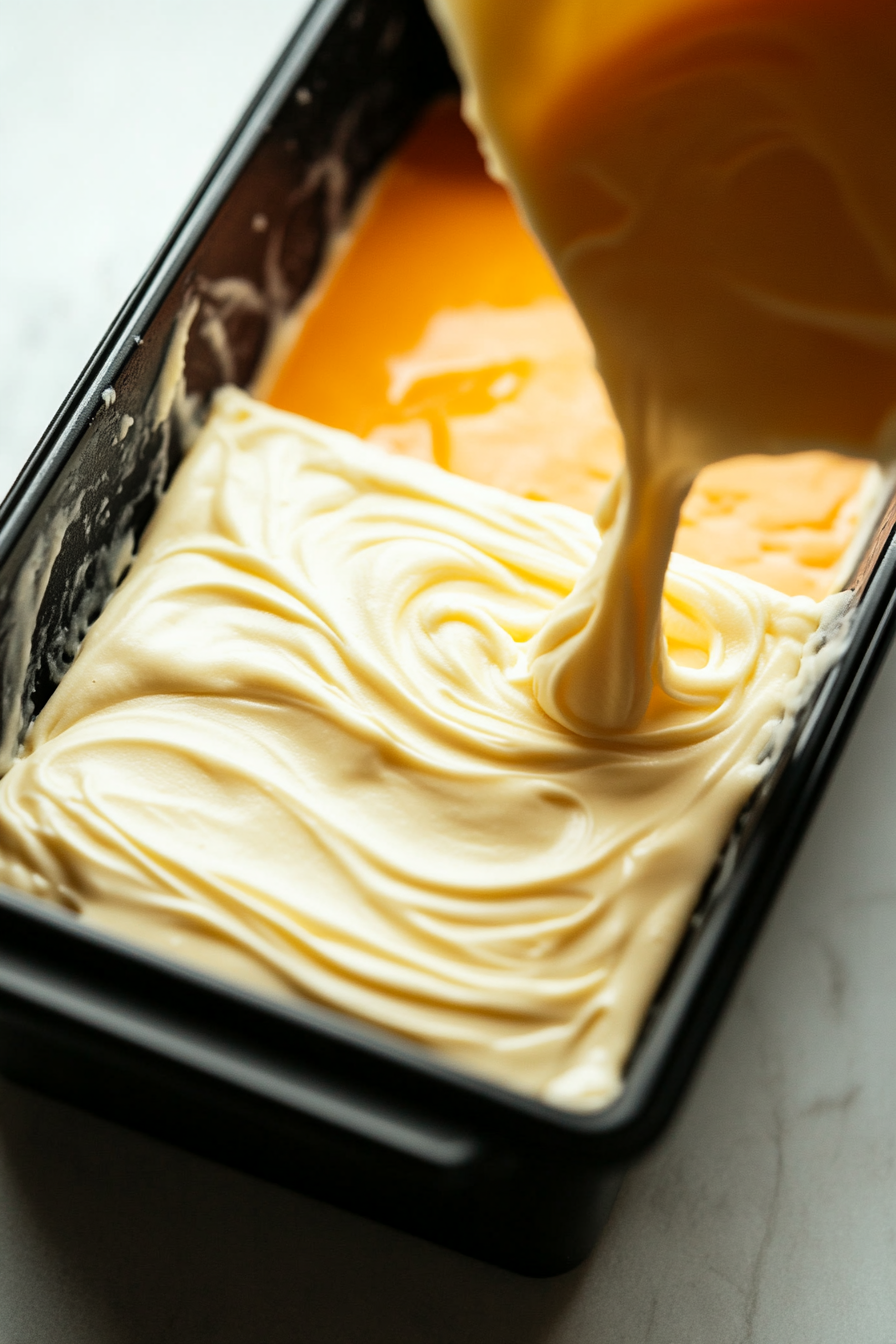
(441, 332)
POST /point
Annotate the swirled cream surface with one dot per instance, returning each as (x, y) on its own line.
(301, 746)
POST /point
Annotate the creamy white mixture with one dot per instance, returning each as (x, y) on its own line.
(301, 746)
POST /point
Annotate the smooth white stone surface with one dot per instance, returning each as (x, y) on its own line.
(767, 1215)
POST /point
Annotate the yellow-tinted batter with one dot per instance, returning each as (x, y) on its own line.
(713, 180)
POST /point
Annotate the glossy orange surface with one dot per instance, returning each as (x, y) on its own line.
(440, 331)
(436, 234)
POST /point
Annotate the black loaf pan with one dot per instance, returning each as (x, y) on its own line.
(299, 1095)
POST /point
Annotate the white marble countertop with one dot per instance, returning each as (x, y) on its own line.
(768, 1213)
